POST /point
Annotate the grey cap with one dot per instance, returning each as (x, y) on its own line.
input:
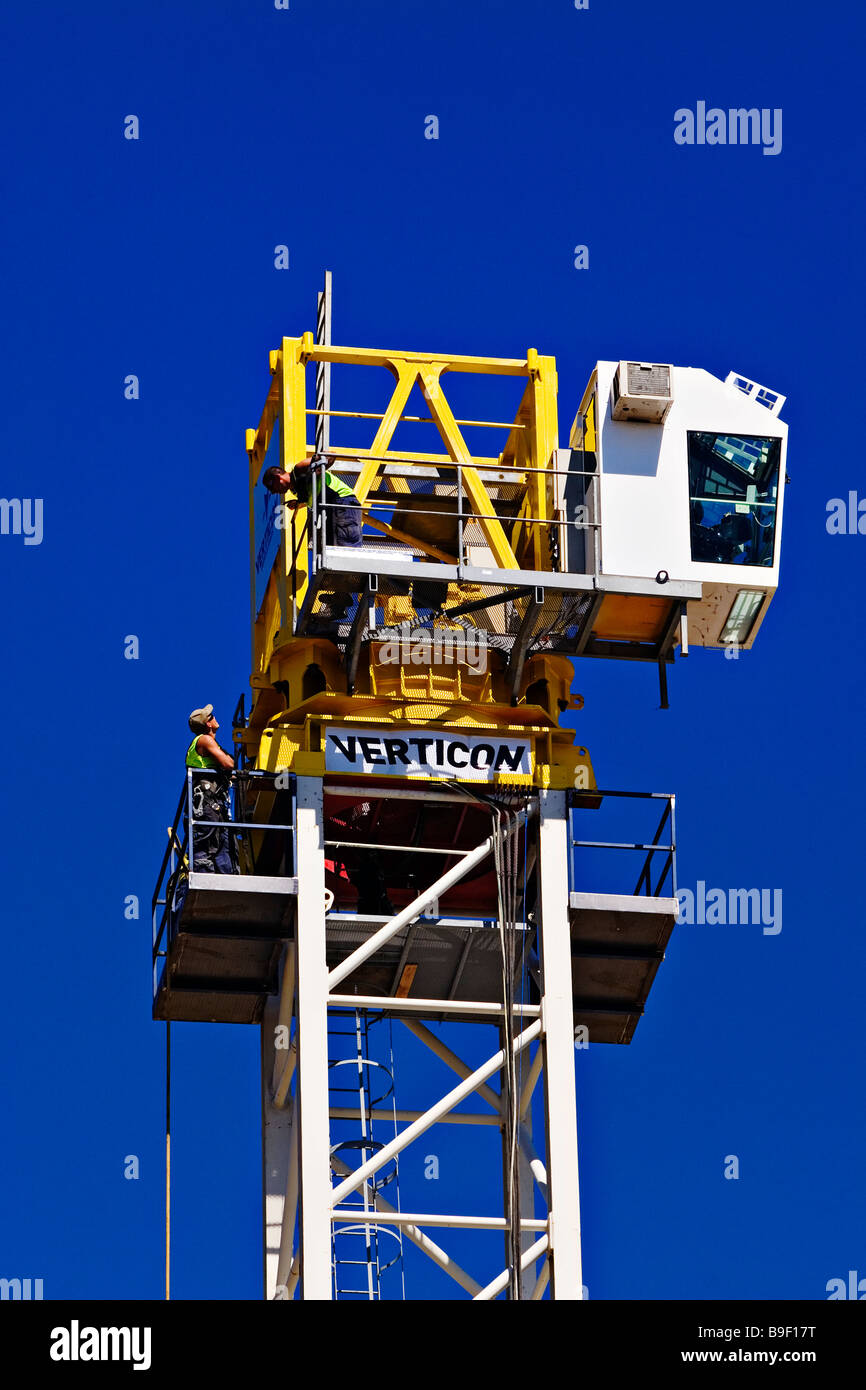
(199, 717)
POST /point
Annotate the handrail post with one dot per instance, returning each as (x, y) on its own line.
(314, 513)
(294, 567)
(671, 803)
(654, 847)
(190, 821)
(596, 514)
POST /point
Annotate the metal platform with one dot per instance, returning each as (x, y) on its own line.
(452, 959)
(221, 968)
(239, 900)
(224, 948)
(230, 986)
(573, 614)
(617, 944)
(224, 956)
(218, 938)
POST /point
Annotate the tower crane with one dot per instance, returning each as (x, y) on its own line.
(412, 820)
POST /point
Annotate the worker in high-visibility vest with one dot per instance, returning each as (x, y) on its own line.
(211, 848)
(343, 521)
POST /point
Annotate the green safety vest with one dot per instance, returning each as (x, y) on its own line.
(334, 484)
(337, 485)
(195, 759)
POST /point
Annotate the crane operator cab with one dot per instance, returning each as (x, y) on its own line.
(678, 476)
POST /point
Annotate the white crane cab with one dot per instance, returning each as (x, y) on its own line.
(678, 476)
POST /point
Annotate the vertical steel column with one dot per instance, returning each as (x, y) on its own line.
(503, 1136)
(319, 514)
(526, 1195)
(527, 1212)
(312, 1070)
(557, 1015)
(276, 1145)
(323, 369)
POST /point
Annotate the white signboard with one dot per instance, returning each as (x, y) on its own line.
(406, 753)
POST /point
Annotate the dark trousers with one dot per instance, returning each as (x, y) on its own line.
(343, 523)
(211, 847)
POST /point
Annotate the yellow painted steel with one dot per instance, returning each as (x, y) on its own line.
(294, 740)
(432, 550)
(287, 722)
(459, 452)
(406, 378)
(293, 449)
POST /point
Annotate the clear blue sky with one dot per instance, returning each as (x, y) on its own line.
(156, 257)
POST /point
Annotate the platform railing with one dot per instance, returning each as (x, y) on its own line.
(516, 526)
(667, 874)
(178, 860)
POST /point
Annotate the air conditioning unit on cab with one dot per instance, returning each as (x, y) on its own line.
(642, 391)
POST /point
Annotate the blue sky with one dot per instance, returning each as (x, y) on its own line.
(156, 257)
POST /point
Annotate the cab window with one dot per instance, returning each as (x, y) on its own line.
(733, 488)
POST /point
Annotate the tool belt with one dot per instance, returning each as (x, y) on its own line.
(219, 789)
(210, 792)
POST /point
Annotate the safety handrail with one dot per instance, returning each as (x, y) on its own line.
(178, 857)
(655, 846)
(512, 475)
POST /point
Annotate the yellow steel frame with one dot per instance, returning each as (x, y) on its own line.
(528, 456)
(295, 740)
(531, 441)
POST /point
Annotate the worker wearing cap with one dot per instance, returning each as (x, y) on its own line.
(210, 795)
(343, 521)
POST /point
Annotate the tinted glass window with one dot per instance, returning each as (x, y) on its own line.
(733, 487)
